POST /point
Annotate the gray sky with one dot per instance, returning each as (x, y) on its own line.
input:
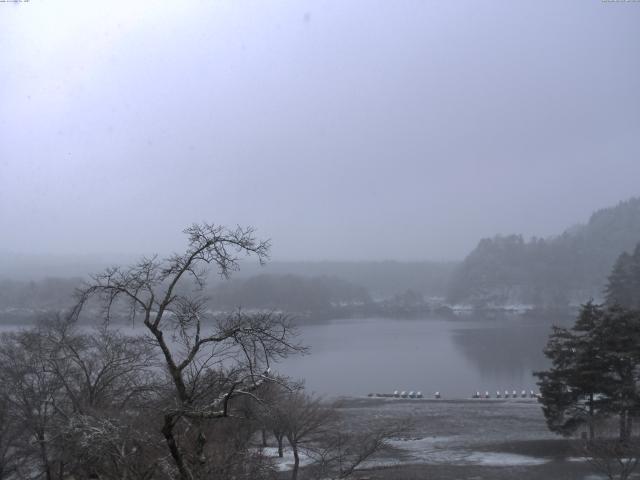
(340, 129)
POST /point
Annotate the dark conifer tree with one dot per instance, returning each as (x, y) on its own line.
(595, 371)
(617, 336)
(572, 389)
(623, 287)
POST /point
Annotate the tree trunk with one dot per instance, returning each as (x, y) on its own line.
(45, 456)
(623, 426)
(167, 432)
(264, 437)
(296, 462)
(280, 446)
(592, 433)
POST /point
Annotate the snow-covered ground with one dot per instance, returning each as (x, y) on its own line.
(434, 450)
(457, 437)
(424, 450)
(286, 462)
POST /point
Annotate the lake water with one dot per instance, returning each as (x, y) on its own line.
(455, 357)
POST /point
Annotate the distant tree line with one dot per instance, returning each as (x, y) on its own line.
(570, 268)
(382, 279)
(551, 272)
(309, 298)
(46, 294)
(293, 293)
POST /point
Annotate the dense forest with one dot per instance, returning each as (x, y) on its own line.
(557, 271)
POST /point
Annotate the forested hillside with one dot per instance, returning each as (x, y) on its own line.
(382, 279)
(557, 271)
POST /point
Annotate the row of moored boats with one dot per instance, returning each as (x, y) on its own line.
(436, 395)
(506, 394)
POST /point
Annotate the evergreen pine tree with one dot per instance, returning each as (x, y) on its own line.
(618, 339)
(572, 390)
(623, 287)
(616, 291)
(595, 371)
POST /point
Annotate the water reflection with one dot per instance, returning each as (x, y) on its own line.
(506, 349)
(455, 357)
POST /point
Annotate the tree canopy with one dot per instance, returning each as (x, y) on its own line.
(623, 287)
(595, 371)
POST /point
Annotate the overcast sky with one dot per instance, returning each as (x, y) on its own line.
(339, 129)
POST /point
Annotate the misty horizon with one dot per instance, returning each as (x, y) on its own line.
(114, 257)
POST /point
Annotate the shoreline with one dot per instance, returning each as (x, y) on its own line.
(464, 438)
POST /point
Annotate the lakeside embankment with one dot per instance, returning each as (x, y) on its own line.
(465, 439)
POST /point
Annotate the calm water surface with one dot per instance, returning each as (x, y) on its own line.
(454, 357)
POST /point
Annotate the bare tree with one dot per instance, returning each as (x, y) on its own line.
(616, 458)
(340, 453)
(109, 380)
(32, 395)
(99, 369)
(317, 429)
(613, 457)
(273, 413)
(209, 360)
(66, 393)
(10, 435)
(113, 447)
(304, 420)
